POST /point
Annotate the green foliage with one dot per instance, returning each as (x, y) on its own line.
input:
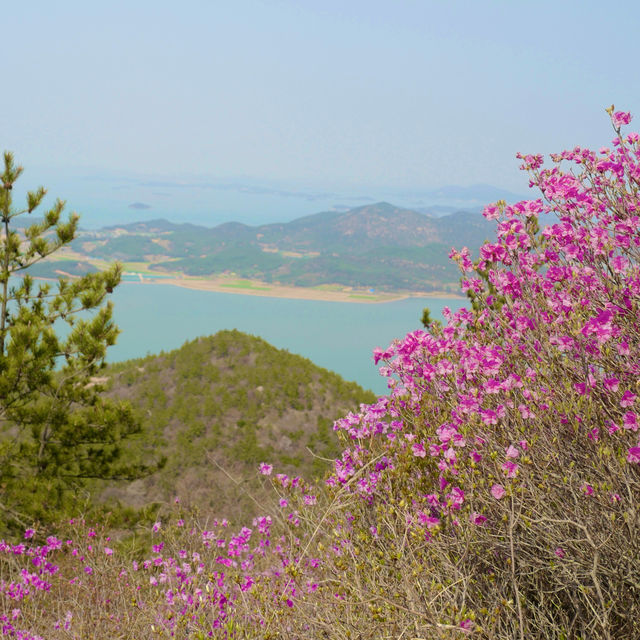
(427, 321)
(229, 401)
(56, 432)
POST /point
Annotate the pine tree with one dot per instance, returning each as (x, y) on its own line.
(57, 432)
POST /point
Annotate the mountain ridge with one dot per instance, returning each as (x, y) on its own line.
(374, 246)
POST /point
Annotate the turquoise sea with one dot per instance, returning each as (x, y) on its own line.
(336, 335)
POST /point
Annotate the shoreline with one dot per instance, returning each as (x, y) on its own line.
(266, 290)
(243, 286)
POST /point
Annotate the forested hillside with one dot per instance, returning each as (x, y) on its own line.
(216, 408)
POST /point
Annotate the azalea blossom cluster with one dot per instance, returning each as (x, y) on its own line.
(531, 392)
(568, 296)
(191, 579)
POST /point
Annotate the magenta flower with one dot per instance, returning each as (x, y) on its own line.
(428, 521)
(620, 118)
(630, 421)
(467, 624)
(498, 491)
(620, 264)
(559, 552)
(581, 388)
(419, 450)
(587, 489)
(489, 416)
(266, 469)
(512, 452)
(627, 399)
(491, 212)
(477, 518)
(623, 348)
(510, 468)
(633, 455)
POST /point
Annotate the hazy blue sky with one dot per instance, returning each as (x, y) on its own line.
(334, 92)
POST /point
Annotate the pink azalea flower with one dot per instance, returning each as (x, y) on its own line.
(419, 450)
(623, 348)
(559, 552)
(456, 497)
(266, 469)
(630, 421)
(587, 489)
(581, 388)
(620, 118)
(491, 212)
(428, 521)
(477, 518)
(489, 416)
(510, 468)
(627, 399)
(526, 413)
(512, 452)
(498, 491)
(620, 264)
(633, 455)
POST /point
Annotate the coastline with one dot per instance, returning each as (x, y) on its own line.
(243, 286)
(140, 273)
(267, 290)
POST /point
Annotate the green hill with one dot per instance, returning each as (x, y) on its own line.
(219, 406)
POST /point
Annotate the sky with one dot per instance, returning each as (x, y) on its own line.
(327, 94)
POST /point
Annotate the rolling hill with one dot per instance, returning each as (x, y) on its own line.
(215, 409)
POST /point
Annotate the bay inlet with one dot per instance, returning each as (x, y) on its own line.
(339, 336)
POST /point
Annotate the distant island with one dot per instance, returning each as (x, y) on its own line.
(370, 253)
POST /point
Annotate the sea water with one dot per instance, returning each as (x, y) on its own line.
(339, 336)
